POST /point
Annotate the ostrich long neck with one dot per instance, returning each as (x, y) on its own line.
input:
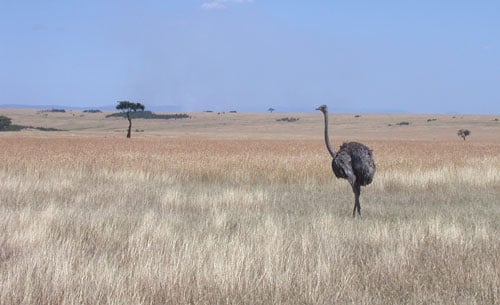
(327, 137)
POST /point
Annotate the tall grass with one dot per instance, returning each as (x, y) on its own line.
(197, 221)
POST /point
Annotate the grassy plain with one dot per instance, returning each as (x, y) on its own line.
(242, 209)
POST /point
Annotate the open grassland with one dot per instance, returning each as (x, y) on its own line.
(247, 218)
(265, 125)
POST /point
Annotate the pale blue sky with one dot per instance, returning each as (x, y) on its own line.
(366, 56)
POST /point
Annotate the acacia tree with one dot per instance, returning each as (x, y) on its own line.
(271, 110)
(463, 133)
(129, 107)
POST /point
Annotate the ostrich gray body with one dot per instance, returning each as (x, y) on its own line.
(353, 161)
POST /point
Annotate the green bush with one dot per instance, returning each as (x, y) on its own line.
(4, 122)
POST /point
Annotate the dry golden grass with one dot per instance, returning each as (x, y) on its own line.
(264, 126)
(248, 217)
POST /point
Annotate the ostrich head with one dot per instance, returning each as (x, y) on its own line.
(323, 108)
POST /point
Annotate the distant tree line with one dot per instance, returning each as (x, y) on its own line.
(53, 110)
(6, 125)
(148, 115)
(5, 122)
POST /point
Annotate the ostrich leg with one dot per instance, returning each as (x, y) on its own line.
(356, 188)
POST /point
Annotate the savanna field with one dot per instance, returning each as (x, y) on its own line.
(243, 209)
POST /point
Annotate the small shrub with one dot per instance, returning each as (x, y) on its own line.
(92, 111)
(463, 133)
(287, 119)
(55, 110)
(404, 123)
(431, 120)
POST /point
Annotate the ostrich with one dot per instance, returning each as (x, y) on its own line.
(353, 161)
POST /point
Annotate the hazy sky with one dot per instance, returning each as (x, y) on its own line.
(420, 56)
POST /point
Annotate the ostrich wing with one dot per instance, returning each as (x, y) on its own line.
(342, 167)
(363, 168)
